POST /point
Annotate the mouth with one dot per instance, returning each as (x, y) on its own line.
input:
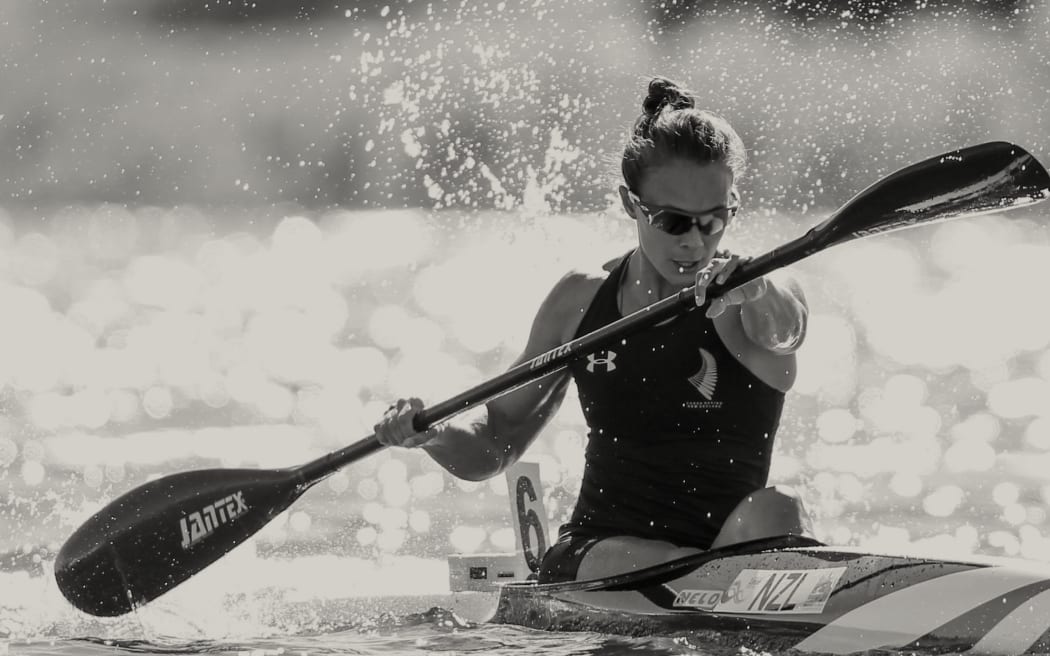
(687, 266)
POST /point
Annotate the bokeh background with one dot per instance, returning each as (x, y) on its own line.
(231, 233)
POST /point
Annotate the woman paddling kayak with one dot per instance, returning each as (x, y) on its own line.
(681, 417)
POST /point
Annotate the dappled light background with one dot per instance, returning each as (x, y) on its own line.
(232, 234)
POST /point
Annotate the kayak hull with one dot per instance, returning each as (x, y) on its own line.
(812, 599)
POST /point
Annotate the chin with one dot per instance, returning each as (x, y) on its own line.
(679, 280)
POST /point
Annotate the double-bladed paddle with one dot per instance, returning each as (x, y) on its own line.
(156, 536)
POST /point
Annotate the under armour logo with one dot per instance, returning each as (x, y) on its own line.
(593, 360)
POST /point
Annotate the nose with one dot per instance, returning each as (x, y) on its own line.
(692, 237)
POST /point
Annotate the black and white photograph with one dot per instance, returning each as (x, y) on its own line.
(537, 327)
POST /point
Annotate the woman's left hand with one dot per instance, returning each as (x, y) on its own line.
(718, 271)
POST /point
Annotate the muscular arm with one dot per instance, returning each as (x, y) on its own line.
(485, 442)
(495, 436)
(776, 321)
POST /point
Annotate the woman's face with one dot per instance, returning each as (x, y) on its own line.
(694, 189)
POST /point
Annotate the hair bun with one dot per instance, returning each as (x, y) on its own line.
(665, 92)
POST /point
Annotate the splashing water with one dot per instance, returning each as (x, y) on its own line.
(250, 232)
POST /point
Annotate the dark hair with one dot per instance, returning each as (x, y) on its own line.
(671, 126)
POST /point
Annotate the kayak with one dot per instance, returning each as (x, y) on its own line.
(812, 598)
(779, 593)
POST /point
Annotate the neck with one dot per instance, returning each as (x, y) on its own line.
(642, 285)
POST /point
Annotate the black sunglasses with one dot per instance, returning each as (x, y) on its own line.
(676, 222)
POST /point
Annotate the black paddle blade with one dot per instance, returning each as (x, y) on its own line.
(990, 177)
(161, 533)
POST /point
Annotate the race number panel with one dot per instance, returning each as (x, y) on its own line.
(528, 513)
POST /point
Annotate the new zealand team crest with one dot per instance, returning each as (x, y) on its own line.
(705, 382)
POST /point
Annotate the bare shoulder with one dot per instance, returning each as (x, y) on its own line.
(570, 297)
(576, 288)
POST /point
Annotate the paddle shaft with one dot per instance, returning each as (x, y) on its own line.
(558, 358)
(999, 176)
(980, 179)
(159, 534)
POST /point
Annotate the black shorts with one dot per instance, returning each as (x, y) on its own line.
(562, 560)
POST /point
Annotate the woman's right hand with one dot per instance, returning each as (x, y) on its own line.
(396, 429)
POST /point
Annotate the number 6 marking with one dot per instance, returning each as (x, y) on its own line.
(527, 518)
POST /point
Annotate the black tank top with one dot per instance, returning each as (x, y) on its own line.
(680, 431)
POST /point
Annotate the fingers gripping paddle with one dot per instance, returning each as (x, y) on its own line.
(156, 536)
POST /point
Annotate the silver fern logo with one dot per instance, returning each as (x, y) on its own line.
(706, 379)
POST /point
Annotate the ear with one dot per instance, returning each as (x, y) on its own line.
(734, 193)
(625, 198)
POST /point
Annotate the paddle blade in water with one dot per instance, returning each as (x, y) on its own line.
(990, 177)
(158, 535)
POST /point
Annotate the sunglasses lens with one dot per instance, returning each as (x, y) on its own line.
(673, 222)
(677, 223)
(714, 226)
